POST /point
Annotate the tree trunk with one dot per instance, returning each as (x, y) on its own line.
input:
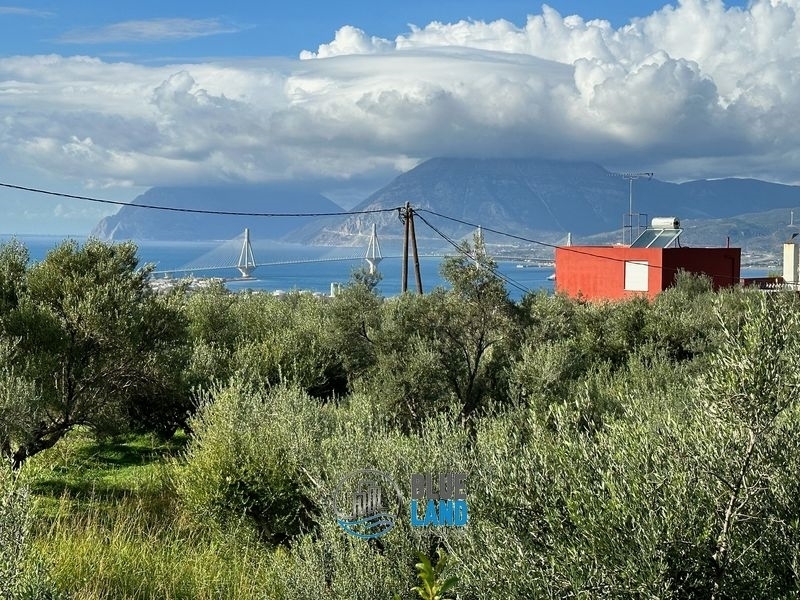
(731, 514)
(41, 441)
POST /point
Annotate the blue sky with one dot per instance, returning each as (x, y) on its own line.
(247, 28)
(111, 98)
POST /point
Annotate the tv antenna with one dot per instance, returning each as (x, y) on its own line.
(627, 220)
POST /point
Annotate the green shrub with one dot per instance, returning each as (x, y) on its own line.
(267, 341)
(271, 461)
(547, 373)
(246, 460)
(549, 318)
(14, 527)
(23, 575)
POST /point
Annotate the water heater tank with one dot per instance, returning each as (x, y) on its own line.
(666, 223)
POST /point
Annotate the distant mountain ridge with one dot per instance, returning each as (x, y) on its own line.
(132, 222)
(535, 198)
(543, 199)
(521, 196)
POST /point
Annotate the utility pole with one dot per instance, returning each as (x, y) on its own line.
(406, 228)
(409, 235)
(417, 274)
(627, 220)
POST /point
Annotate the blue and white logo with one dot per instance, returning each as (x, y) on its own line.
(439, 499)
(367, 503)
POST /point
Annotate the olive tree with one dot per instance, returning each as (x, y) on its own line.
(752, 388)
(86, 343)
(475, 328)
(452, 342)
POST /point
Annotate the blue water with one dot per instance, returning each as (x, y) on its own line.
(316, 277)
(313, 276)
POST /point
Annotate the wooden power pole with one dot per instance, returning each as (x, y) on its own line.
(409, 235)
(417, 273)
(406, 229)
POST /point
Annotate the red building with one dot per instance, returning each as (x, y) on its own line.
(617, 272)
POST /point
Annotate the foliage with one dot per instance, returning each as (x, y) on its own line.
(627, 449)
(14, 259)
(14, 527)
(408, 379)
(244, 465)
(213, 330)
(128, 554)
(355, 320)
(269, 462)
(474, 326)
(87, 342)
(753, 390)
(267, 341)
(433, 586)
(692, 285)
(449, 343)
(364, 278)
(22, 575)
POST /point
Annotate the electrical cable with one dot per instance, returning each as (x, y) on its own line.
(194, 210)
(344, 214)
(574, 249)
(455, 245)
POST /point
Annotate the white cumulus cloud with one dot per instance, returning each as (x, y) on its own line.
(694, 90)
(349, 40)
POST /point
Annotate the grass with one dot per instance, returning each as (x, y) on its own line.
(91, 556)
(108, 525)
(89, 472)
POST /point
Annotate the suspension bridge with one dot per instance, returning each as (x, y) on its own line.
(238, 254)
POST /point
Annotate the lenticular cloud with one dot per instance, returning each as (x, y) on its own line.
(697, 90)
(686, 86)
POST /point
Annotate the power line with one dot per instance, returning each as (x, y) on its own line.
(554, 246)
(484, 228)
(494, 271)
(194, 210)
(335, 214)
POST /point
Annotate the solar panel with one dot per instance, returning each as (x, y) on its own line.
(656, 238)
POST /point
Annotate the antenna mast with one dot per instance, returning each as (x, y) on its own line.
(627, 220)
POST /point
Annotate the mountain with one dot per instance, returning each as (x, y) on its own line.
(533, 198)
(542, 199)
(521, 196)
(132, 222)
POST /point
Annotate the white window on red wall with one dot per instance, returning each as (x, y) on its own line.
(636, 279)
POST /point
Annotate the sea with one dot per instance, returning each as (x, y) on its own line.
(287, 267)
(295, 267)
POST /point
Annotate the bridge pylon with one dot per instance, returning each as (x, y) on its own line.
(373, 255)
(247, 263)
